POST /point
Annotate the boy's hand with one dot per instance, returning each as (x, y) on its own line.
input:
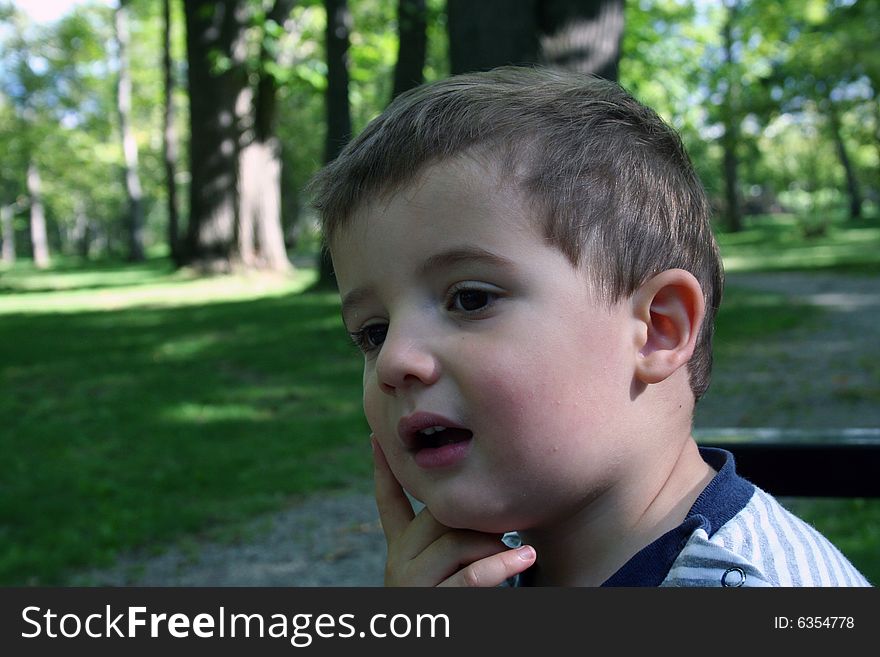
(423, 552)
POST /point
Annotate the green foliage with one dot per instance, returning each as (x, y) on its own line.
(790, 59)
(59, 86)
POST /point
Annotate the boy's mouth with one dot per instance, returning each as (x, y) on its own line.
(438, 436)
(429, 431)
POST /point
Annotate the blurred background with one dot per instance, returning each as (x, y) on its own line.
(172, 363)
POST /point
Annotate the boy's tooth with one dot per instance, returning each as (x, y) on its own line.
(432, 430)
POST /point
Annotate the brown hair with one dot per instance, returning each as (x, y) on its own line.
(607, 175)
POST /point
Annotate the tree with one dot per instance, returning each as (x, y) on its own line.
(7, 232)
(11, 200)
(821, 76)
(828, 53)
(216, 78)
(337, 106)
(135, 224)
(580, 35)
(490, 33)
(852, 181)
(39, 240)
(731, 118)
(59, 81)
(412, 45)
(169, 138)
(234, 159)
(260, 235)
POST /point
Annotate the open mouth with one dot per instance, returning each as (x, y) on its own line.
(438, 436)
(433, 440)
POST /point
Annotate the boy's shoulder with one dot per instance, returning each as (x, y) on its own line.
(764, 544)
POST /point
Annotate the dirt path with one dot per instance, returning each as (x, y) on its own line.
(825, 375)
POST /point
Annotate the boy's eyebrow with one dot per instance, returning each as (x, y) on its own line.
(463, 255)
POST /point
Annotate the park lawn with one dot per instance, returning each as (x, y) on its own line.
(138, 412)
(779, 243)
(142, 406)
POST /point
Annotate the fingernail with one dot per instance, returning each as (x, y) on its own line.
(526, 552)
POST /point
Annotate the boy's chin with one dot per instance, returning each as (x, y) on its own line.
(465, 517)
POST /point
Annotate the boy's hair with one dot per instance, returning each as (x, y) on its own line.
(607, 177)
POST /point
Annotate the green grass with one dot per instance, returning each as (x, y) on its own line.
(138, 412)
(778, 243)
(752, 314)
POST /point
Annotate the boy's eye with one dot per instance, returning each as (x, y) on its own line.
(472, 299)
(370, 337)
(375, 334)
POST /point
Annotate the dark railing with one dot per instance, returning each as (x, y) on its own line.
(828, 463)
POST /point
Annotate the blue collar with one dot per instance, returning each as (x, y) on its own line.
(725, 496)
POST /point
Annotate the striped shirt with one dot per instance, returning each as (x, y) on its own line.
(762, 545)
(736, 534)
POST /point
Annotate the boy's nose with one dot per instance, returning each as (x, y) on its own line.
(404, 362)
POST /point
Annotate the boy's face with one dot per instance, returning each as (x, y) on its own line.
(470, 321)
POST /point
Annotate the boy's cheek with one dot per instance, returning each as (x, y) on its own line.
(371, 411)
(375, 412)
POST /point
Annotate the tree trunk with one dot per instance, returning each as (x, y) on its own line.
(215, 31)
(877, 127)
(39, 239)
(337, 104)
(581, 35)
(578, 35)
(261, 238)
(730, 139)
(260, 235)
(7, 226)
(169, 139)
(80, 235)
(490, 33)
(135, 225)
(412, 45)
(852, 182)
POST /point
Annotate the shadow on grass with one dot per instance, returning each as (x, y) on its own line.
(78, 274)
(129, 428)
(779, 244)
(751, 314)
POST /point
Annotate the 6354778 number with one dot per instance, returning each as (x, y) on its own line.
(814, 622)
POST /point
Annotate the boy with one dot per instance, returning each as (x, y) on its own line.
(525, 259)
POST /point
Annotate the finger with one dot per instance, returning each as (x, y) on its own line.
(395, 510)
(421, 533)
(451, 552)
(494, 570)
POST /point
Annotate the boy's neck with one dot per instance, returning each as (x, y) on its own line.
(591, 545)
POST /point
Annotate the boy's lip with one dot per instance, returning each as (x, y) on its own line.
(410, 426)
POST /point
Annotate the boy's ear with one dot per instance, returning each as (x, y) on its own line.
(669, 309)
